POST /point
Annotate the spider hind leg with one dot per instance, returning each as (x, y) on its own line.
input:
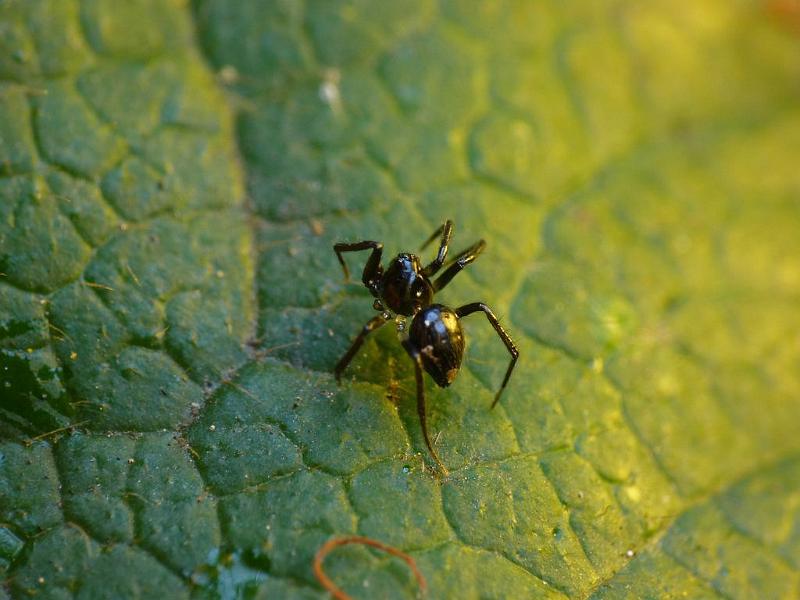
(468, 309)
(421, 411)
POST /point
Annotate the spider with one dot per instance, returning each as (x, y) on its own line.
(435, 340)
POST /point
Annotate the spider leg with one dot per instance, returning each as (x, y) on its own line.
(446, 232)
(372, 269)
(461, 260)
(468, 309)
(436, 234)
(421, 412)
(373, 324)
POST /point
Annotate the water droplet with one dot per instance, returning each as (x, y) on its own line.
(228, 74)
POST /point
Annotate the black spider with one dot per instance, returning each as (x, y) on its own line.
(435, 340)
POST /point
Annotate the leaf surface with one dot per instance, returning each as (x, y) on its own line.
(172, 179)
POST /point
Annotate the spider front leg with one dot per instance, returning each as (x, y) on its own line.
(373, 324)
(421, 412)
(461, 260)
(468, 309)
(446, 232)
(372, 269)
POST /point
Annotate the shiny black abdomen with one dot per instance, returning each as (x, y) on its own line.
(436, 334)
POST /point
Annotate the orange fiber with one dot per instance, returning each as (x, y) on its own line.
(333, 543)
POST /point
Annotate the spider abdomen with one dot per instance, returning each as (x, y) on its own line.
(436, 333)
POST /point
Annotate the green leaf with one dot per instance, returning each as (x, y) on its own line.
(172, 179)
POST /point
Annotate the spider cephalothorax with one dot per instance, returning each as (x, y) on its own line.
(404, 287)
(435, 340)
